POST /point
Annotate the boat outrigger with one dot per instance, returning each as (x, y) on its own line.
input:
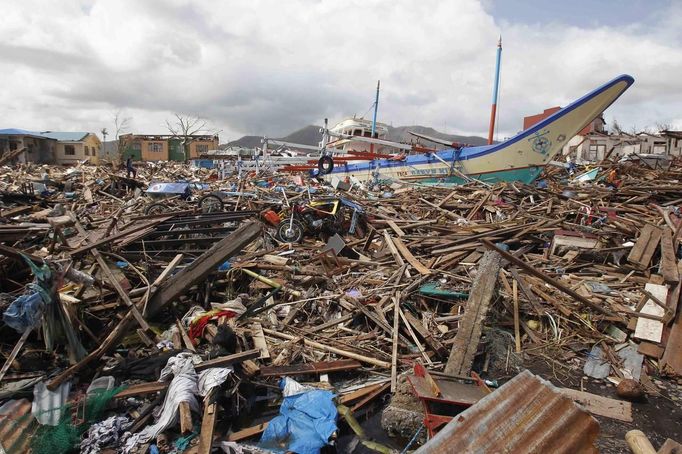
(520, 158)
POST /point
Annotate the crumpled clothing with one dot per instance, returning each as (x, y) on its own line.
(184, 387)
(234, 305)
(104, 433)
(26, 311)
(210, 378)
(198, 324)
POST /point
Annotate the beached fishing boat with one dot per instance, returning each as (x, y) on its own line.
(520, 158)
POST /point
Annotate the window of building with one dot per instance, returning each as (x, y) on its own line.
(69, 150)
(87, 151)
(202, 148)
(155, 147)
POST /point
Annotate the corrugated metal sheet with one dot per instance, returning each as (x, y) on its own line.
(527, 414)
(17, 426)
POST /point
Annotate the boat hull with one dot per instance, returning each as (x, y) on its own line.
(521, 158)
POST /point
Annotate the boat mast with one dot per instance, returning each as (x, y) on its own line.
(376, 108)
(493, 110)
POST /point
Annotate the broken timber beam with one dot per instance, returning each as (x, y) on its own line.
(321, 367)
(553, 282)
(204, 265)
(170, 290)
(470, 328)
(338, 351)
(641, 253)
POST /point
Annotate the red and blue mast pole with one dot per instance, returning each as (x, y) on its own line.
(493, 111)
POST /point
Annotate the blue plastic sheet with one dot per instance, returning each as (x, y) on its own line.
(305, 423)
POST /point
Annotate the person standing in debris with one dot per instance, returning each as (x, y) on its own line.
(612, 180)
(130, 169)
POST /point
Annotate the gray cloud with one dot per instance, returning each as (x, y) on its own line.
(267, 67)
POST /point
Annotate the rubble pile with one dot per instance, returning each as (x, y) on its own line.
(176, 312)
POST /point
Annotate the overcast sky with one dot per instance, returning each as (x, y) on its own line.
(268, 67)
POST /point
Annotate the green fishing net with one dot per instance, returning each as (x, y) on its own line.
(65, 437)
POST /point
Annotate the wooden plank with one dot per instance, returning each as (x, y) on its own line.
(204, 265)
(394, 343)
(430, 340)
(670, 447)
(185, 337)
(370, 397)
(185, 417)
(142, 389)
(671, 361)
(395, 228)
(647, 242)
(517, 326)
(320, 367)
(338, 351)
(668, 259)
(223, 361)
(197, 270)
(470, 328)
(259, 340)
(104, 266)
(411, 259)
(358, 393)
(208, 423)
(553, 282)
(601, 406)
(646, 328)
(121, 234)
(247, 433)
(649, 349)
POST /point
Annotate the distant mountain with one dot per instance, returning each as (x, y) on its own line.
(310, 135)
(401, 134)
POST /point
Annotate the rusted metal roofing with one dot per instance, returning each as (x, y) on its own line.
(527, 414)
(17, 425)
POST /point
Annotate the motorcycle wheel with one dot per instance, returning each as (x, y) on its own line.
(155, 208)
(290, 232)
(210, 204)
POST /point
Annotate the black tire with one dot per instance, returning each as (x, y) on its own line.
(211, 204)
(290, 232)
(155, 208)
(325, 165)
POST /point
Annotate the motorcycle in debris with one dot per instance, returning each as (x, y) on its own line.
(324, 217)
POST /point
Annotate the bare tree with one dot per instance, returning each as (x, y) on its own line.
(121, 125)
(185, 127)
(616, 128)
(663, 126)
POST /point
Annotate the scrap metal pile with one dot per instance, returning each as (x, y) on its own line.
(251, 314)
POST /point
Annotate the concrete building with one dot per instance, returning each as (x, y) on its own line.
(164, 147)
(50, 147)
(673, 141)
(36, 148)
(73, 147)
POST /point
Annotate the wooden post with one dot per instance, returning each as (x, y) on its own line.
(517, 328)
(394, 351)
(639, 443)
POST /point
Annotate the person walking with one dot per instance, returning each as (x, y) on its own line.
(130, 169)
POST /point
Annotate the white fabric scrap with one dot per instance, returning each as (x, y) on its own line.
(183, 388)
(104, 433)
(210, 378)
(47, 405)
(292, 387)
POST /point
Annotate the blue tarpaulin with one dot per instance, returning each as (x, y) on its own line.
(305, 423)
